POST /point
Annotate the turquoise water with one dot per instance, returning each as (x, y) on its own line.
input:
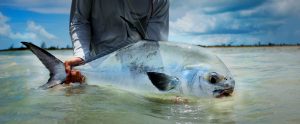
(267, 91)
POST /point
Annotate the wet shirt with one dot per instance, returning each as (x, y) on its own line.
(97, 27)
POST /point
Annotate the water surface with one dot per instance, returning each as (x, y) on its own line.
(267, 91)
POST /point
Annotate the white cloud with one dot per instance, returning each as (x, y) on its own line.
(213, 39)
(23, 36)
(285, 7)
(274, 8)
(192, 22)
(201, 24)
(39, 30)
(33, 31)
(4, 28)
(40, 6)
(58, 10)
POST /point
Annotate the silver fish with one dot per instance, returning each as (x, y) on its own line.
(150, 66)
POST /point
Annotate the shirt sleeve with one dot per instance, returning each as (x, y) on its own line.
(80, 28)
(158, 24)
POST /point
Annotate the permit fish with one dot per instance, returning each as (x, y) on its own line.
(150, 67)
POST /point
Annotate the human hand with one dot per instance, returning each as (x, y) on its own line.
(73, 75)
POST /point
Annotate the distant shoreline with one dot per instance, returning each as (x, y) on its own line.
(242, 46)
(250, 46)
(23, 48)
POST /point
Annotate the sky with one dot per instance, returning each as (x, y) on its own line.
(200, 22)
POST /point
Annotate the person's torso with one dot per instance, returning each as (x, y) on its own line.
(109, 31)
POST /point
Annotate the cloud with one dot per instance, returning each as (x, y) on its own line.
(178, 7)
(4, 28)
(215, 39)
(40, 6)
(190, 23)
(235, 21)
(222, 6)
(200, 24)
(33, 31)
(39, 30)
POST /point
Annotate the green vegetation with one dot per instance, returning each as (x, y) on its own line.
(254, 45)
(43, 45)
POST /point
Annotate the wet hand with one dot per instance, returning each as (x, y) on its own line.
(73, 75)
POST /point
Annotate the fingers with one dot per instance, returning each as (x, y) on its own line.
(73, 75)
(67, 67)
(72, 62)
(68, 79)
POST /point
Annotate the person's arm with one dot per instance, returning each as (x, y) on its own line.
(80, 32)
(80, 27)
(158, 24)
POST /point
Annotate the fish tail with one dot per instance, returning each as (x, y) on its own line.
(55, 66)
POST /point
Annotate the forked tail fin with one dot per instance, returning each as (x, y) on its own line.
(54, 65)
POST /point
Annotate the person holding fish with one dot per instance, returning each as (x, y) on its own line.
(100, 27)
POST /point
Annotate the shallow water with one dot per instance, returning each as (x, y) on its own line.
(267, 91)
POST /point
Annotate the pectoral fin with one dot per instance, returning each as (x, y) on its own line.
(162, 81)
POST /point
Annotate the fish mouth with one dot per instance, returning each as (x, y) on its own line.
(223, 92)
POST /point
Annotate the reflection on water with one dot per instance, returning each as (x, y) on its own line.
(267, 85)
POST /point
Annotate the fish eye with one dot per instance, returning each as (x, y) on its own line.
(214, 78)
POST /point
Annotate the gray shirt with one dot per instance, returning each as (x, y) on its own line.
(97, 29)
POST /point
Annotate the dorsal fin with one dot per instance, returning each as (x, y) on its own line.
(54, 65)
(162, 81)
